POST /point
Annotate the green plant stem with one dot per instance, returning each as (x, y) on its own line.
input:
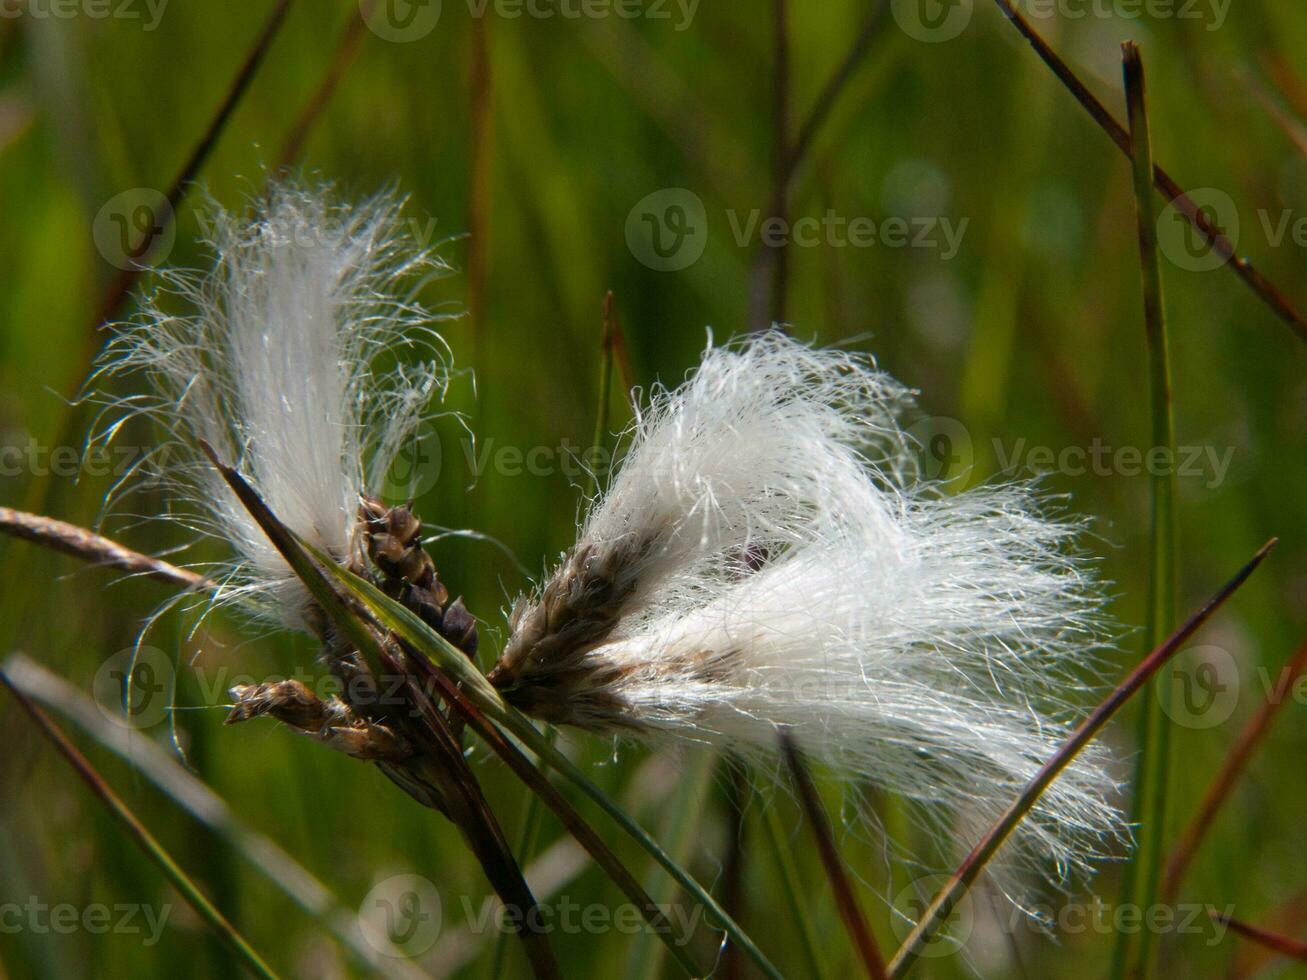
(1133, 956)
(155, 851)
(601, 437)
(846, 899)
(531, 818)
(793, 890)
(526, 845)
(681, 830)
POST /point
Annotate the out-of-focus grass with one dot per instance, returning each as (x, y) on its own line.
(1027, 338)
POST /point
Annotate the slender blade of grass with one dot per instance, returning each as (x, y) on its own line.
(195, 797)
(91, 547)
(155, 851)
(1292, 948)
(1134, 950)
(1265, 290)
(792, 888)
(937, 912)
(846, 898)
(601, 443)
(603, 437)
(348, 42)
(1231, 769)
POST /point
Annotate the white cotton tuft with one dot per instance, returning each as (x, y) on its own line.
(282, 360)
(766, 558)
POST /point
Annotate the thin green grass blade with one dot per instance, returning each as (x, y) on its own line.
(1134, 950)
(526, 845)
(155, 851)
(792, 888)
(196, 798)
(602, 437)
(846, 899)
(681, 830)
(601, 444)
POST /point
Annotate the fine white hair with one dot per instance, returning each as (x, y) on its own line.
(282, 357)
(767, 558)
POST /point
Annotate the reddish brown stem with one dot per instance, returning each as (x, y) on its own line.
(1231, 769)
(91, 547)
(1292, 948)
(845, 897)
(1174, 193)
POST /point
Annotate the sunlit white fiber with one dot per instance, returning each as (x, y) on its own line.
(766, 557)
(281, 356)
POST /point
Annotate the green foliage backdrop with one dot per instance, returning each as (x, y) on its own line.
(1023, 332)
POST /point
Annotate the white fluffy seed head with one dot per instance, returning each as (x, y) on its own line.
(766, 557)
(282, 358)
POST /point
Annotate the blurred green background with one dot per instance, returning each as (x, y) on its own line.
(545, 137)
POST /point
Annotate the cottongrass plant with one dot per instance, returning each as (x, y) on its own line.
(766, 558)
